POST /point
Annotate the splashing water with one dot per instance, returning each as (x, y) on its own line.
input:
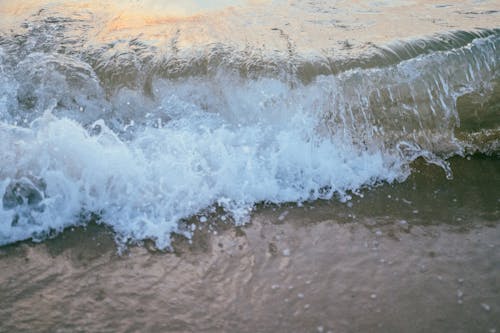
(144, 140)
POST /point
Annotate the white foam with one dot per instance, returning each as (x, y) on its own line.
(225, 140)
(142, 187)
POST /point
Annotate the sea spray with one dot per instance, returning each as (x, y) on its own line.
(144, 159)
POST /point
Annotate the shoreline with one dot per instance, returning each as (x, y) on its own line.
(372, 265)
(267, 276)
(147, 113)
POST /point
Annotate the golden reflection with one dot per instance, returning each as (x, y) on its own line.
(293, 25)
(127, 18)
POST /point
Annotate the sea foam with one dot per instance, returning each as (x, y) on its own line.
(142, 161)
(144, 185)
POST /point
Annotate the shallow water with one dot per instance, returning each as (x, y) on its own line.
(393, 261)
(313, 166)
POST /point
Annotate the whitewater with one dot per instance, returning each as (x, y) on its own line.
(141, 142)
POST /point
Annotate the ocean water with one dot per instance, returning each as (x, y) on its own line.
(249, 166)
(141, 116)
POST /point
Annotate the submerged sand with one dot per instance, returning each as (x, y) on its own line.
(268, 277)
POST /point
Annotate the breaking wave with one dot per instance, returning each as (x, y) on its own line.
(145, 144)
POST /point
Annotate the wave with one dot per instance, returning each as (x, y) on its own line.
(144, 143)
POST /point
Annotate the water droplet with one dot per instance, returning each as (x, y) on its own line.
(283, 215)
(486, 307)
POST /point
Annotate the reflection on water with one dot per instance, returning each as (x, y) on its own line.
(324, 277)
(110, 17)
(292, 26)
(186, 7)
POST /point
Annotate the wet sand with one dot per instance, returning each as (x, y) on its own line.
(291, 277)
(396, 260)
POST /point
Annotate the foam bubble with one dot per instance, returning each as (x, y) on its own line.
(144, 186)
(147, 162)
